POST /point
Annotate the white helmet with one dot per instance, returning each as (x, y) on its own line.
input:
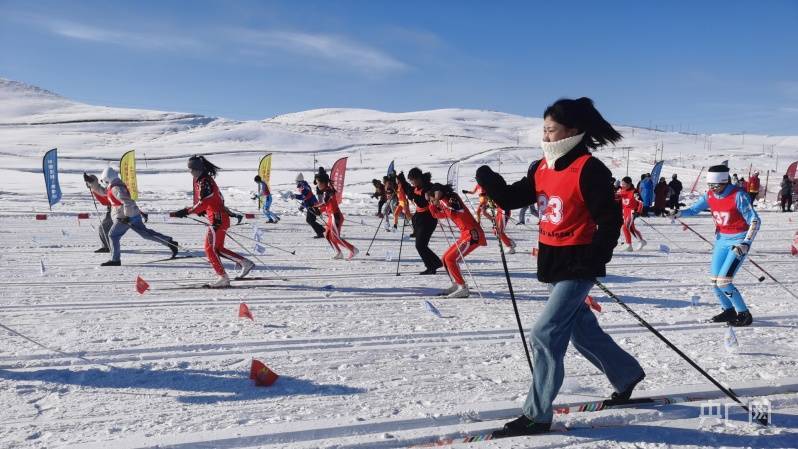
(108, 175)
(300, 178)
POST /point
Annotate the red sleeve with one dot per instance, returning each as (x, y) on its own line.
(436, 212)
(206, 196)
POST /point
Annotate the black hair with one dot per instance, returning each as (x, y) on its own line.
(580, 114)
(414, 173)
(627, 179)
(204, 165)
(257, 178)
(376, 182)
(447, 189)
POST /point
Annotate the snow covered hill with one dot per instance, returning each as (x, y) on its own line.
(33, 120)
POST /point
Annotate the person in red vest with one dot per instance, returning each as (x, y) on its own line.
(209, 202)
(482, 205)
(736, 226)
(753, 187)
(99, 194)
(125, 213)
(335, 219)
(579, 226)
(445, 204)
(630, 207)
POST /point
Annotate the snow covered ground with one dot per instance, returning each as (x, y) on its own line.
(363, 363)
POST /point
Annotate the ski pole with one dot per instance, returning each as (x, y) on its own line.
(253, 255)
(293, 253)
(401, 240)
(375, 234)
(758, 278)
(512, 293)
(749, 259)
(645, 324)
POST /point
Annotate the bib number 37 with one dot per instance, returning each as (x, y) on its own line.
(551, 209)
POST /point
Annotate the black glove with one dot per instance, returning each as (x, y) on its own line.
(489, 179)
(466, 192)
(86, 178)
(254, 197)
(182, 213)
(201, 214)
(125, 220)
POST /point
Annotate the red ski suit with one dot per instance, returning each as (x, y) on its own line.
(471, 234)
(629, 205)
(335, 220)
(208, 200)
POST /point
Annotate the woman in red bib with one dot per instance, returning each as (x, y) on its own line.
(580, 223)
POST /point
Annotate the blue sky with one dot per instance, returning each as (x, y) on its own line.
(706, 66)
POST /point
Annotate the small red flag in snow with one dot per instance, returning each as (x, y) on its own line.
(593, 303)
(684, 227)
(83, 215)
(249, 215)
(141, 285)
(41, 216)
(243, 312)
(261, 374)
(794, 247)
(534, 251)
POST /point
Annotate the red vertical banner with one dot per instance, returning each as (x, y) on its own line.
(337, 176)
(692, 189)
(791, 170)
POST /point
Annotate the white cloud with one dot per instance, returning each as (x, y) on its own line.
(332, 48)
(142, 40)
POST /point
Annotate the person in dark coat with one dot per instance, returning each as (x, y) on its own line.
(674, 191)
(660, 197)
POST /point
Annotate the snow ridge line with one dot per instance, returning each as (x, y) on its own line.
(312, 345)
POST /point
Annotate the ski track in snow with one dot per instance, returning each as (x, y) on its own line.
(363, 364)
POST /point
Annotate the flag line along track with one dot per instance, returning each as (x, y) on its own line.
(324, 277)
(291, 347)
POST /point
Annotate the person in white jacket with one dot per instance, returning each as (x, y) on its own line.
(125, 213)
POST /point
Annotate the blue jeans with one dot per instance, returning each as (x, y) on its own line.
(267, 204)
(725, 265)
(118, 229)
(566, 318)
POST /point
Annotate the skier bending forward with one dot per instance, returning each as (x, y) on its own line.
(446, 204)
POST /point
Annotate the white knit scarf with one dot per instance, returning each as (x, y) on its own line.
(555, 150)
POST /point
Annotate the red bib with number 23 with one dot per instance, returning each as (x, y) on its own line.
(564, 218)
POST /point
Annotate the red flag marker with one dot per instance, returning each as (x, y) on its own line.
(684, 227)
(83, 216)
(593, 303)
(534, 251)
(261, 373)
(41, 216)
(141, 285)
(248, 215)
(243, 312)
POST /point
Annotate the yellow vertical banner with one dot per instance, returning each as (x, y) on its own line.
(265, 173)
(127, 171)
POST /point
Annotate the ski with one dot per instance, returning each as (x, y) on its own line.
(207, 286)
(577, 407)
(167, 259)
